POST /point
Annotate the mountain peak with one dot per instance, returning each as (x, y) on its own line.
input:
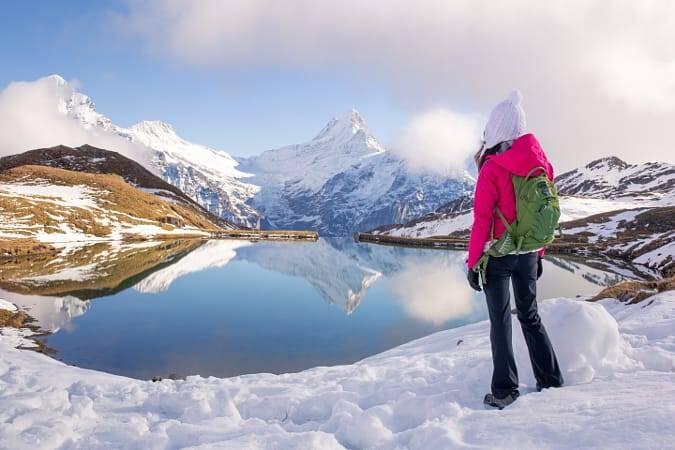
(346, 126)
(57, 79)
(610, 162)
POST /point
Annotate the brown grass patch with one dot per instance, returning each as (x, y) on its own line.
(13, 319)
(119, 202)
(636, 291)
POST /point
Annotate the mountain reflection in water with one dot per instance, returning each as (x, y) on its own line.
(228, 307)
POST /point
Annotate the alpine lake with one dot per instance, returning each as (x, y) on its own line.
(231, 307)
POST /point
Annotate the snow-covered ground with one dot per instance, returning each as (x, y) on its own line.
(618, 360)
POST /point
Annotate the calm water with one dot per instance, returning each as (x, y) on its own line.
(226, 308)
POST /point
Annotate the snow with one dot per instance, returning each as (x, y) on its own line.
(4, 304)
(440, 227)
(658, 256)
(607, 229)
(162, 137)
(618, 360)
(573, 208)
(78, 196)
(612, 178)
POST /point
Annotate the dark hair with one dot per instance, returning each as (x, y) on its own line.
(494, 150)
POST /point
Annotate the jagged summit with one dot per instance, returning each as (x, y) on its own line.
(610, 162)
(343, 127)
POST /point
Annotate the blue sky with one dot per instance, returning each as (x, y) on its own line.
(243, 111)
(250, 75)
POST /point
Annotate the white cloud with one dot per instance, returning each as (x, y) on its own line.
(33, 115)
(586, 92)
(440, 141)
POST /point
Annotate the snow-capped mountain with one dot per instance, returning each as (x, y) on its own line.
(612, 177)
(342, 181)
(208, 176)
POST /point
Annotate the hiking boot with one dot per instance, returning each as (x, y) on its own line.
(501, 402)
(541, 388)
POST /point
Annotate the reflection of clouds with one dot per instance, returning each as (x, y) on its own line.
(434, 291)
(212, 254)
(51, 313)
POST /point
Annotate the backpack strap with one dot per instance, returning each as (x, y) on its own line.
(503, 219)
(529, 174)
(527, 177)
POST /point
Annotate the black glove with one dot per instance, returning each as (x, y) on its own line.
(474, 280)
(540, 268)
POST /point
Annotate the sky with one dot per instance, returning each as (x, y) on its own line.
(597, 77)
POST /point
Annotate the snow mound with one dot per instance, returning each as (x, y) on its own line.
(586, 340)
(423, 395)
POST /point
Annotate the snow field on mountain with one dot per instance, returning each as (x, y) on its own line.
(64, 204)
(70, 196)
(618, 362)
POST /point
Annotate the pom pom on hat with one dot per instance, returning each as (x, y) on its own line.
(507, 121)
(515, 97)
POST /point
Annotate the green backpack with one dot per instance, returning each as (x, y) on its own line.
(537, 214)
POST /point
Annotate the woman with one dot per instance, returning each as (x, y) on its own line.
(509, 151)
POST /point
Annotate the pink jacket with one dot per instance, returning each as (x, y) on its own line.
(494, 187)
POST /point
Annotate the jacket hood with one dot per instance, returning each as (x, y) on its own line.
(524, 155)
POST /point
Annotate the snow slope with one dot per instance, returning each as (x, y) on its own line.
(618, 361)
(343, 181)
(612, 177)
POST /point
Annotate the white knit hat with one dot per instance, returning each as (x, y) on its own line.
(507, 121)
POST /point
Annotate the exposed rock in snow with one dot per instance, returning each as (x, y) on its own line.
(618, 362)
(611, 178)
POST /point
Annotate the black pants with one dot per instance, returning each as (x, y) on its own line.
(522, 271)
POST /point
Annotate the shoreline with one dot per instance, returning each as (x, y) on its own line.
(581, 249)
(13, 248)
